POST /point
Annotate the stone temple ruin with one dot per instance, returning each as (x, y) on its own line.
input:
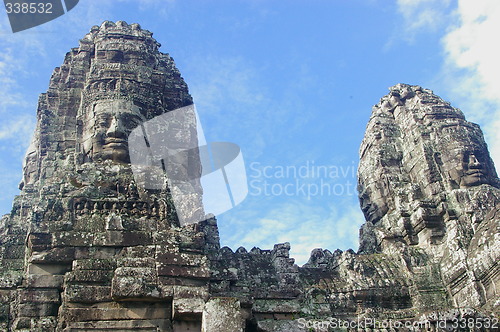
(86, 248)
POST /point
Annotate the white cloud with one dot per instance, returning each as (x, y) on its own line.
(9, 181)
(473, 67)
(493, 136)
(161, 7)
(10, 67)
(89, 13)
(422, 15)
(306, 225)
(230, 100)
(223, 82)
(471, 45)
(18, 129)
(470, 76)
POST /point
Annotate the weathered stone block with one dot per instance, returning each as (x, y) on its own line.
(87, 293)
(44, 281)
(186, 326)
(94, 264)
(54, 256)
(140, 251)
(14, 251)
(132, 288)
(183, 271)
(4, 311)
(90, 276)
(192, 291)
(73, 239)
(151, 325)
(48, 269)
(222, 314)
(148, 262)
(144, 273)
(182, 259)
(10, 279)
(39, 296)
(122, 238)
(187, 309)
(122, 311)
(38, 309)
(276, 306)
(39, 241)
(13, 264)
(283, 326)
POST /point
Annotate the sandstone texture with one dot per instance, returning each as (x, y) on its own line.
(89, 247)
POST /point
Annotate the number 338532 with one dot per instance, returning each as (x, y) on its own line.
(28, 8)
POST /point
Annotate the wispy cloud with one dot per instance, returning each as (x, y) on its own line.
(470, 75)
(89, 13)
(19, 129)
(15, 134)
(10, 69)
(224, 81)
(470, 44)
(233, 96)
(230, 100)
(422, 15)
(161, 7)
(472, 69)
(9, 180)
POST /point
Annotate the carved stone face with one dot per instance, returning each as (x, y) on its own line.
(470, 169)
(107, 126)
(474, 171)
(373, 200)
(465, 157)
(369, 208)
(29, 168)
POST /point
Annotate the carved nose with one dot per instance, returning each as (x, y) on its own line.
(115, 129)
(473, 162)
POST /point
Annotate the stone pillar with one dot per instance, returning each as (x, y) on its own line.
(222, 314)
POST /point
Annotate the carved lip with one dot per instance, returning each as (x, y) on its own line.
(476, 172)
(114, 143)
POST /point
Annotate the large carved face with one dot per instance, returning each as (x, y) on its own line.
(29, 167)
(470, 167)
(466, 158)
(107, 126)
(374, 199)
(474, 170)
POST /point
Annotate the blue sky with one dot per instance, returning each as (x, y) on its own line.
(292, 85)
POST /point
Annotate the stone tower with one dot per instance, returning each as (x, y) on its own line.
(426, 181)
(94, 244)
(83, 235)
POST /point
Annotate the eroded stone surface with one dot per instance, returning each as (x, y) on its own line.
(87, 248)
